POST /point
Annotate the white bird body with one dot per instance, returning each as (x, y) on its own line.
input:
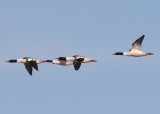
(28, 59)
(136, 53)
(21, 60)
(83, 59)
(86, 60)
(38, 61)
(70, 58)
(61, 62)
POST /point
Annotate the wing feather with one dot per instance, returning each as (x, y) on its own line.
(34, 65)
(28, 67)
(137, 44)
(76, 65)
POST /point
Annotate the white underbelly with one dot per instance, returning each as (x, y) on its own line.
(135, 53)
(62, 62)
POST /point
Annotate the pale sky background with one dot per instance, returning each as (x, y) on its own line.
(46, 29)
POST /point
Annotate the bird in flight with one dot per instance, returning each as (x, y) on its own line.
(136, 50)
(29, 63)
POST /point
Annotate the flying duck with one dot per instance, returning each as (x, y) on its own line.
(28, 62)
(60, 61)
(135, 51)
(77, 60)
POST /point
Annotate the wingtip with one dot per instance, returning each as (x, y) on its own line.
(143, 35)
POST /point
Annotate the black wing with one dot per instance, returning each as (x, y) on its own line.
(76, 65)
(34, 65)
(28, 67)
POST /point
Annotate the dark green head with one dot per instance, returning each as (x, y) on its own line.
(118, 53)
(12, 61)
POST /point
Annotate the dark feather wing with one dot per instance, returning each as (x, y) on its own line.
(76, 65)
(34, 65)
(28, 67)
(137, 44)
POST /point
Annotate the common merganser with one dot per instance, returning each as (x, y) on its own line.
(28, 62)
(135, 50)
(60, 61)
(77, 60)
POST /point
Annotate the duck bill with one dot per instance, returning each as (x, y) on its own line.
(93, 61)
(149, 53)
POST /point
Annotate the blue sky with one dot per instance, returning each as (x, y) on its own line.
(92, 28)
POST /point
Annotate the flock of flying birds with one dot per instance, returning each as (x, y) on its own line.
(76, 60)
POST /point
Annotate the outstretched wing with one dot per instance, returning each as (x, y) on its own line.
(34, 65)
(28, 67)
(76, 65)
(137, 44)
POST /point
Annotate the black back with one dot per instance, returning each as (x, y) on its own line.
(80, 59)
